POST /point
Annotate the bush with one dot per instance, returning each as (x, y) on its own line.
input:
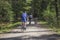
(7, 27)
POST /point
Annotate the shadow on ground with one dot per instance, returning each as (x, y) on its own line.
(29, 25)
(36, 25)
(26, 32)
(41, 37)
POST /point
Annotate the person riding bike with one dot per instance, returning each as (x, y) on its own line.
(24, 20)
(30, 18)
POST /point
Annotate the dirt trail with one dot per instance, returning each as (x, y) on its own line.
(32, 32)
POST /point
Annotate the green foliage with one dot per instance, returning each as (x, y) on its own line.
(5, 11)
(50, 15)
(8, 26)
(10, 10)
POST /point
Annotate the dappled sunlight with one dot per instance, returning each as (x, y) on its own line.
(31, 37)
(29, 19)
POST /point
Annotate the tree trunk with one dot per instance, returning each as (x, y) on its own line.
(56, 8)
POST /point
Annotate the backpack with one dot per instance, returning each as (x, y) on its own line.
(30, 16)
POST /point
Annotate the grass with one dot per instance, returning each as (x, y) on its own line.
(42, 22)
(7, 27)
(45, 24)
(56, 29)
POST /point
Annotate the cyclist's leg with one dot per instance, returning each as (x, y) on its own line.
(24, 25)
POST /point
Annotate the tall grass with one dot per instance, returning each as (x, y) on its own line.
(6, 27)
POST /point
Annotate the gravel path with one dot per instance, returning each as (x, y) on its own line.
(32, 32)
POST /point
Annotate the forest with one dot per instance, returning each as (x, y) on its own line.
(45, 10)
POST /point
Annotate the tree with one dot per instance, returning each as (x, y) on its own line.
(57, 14)
(5, 11)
